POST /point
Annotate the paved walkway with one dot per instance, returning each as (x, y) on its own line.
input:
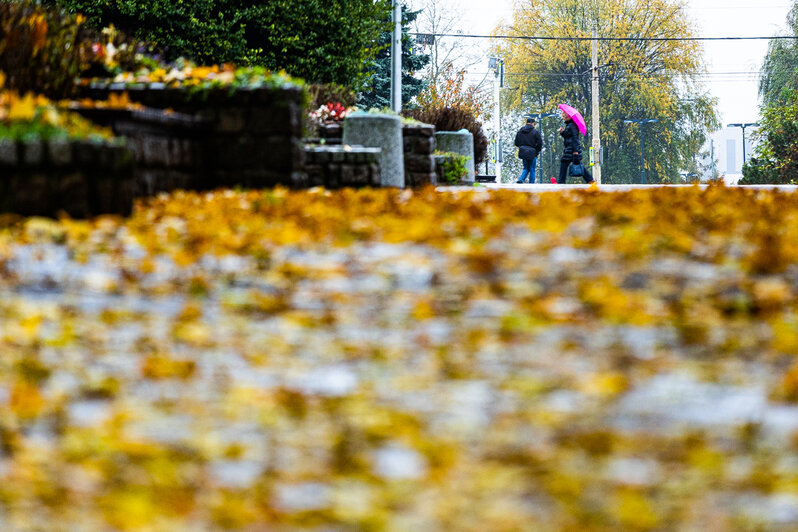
(384, 359)
(610, 187)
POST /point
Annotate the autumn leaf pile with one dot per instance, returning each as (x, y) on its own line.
(114, 101)
(404, 360)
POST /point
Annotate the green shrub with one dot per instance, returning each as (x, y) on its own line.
(454, 119)
(203, 29)
(776, 157)
(321, 41)
(453, 166)
(761, 171)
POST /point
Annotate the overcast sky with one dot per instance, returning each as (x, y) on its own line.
(733, 64)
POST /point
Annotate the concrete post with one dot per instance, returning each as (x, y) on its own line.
(379, 131)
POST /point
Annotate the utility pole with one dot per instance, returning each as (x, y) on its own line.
(641, 121)
(396, 58)
(498, 81)
(712, 157)
(497, 121)
(595, 105)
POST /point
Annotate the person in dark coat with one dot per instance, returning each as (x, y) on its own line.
(572, 152)
(529, 144)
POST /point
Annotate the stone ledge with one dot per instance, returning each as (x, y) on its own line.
(63, 154)
(418, 130)
(342, 166)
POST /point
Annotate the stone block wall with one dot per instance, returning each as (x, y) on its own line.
(168, 148)
(419, 146)
(253, 136)
(81, 178)
(331, 133)
(342, 166)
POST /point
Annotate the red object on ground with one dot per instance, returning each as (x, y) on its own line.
(554, 180)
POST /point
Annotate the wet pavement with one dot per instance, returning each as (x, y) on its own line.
(383, 360)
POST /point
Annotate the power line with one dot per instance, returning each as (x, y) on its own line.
(550, 38)
(627, 74)
(646, 78)
(721, 8)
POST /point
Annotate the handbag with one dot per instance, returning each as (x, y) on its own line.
(576, 170)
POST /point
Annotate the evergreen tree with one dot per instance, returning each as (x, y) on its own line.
(378, 95)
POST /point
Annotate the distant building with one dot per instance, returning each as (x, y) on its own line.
(726, 147)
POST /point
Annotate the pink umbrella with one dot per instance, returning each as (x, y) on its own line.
(575, 116)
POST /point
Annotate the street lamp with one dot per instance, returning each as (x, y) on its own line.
(641, 121)
(541, 116)
(743, 126)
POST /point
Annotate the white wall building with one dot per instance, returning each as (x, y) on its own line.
(726, 145)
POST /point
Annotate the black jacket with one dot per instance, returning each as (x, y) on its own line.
(528, 136)
(570, 136)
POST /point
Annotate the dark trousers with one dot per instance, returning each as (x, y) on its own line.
(588, 177)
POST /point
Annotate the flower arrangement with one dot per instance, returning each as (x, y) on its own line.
(330, 112)
(186, 74)
(113, 52)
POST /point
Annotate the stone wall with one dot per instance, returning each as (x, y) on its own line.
(419, 146)
(342, 166)
(81, 178)
(168, 148)
(253, 136)
(328, 134)
(331, 133)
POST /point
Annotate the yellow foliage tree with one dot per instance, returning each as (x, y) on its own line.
(448, 90)
(650, 69)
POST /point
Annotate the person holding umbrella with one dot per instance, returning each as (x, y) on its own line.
(572, 153)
